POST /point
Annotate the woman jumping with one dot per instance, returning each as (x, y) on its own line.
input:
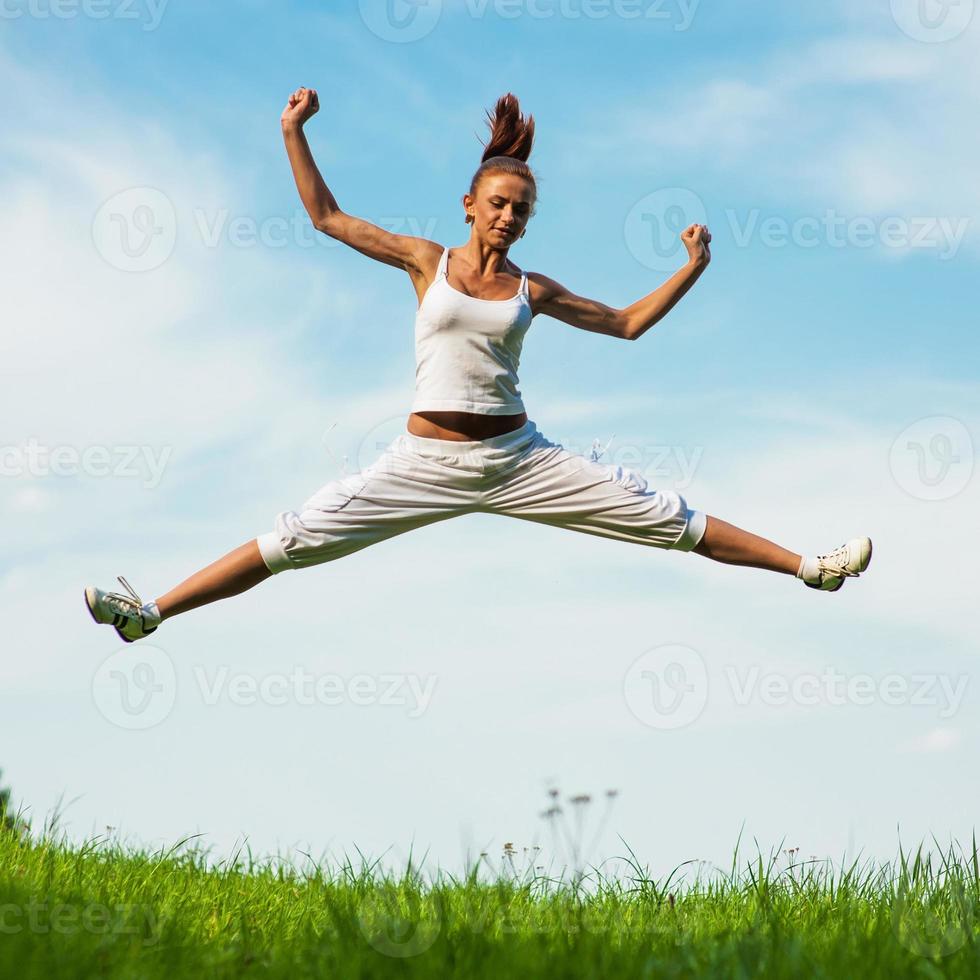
(468, 445)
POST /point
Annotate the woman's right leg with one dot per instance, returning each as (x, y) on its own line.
(237, 572)
(415, 482)
(399, 492)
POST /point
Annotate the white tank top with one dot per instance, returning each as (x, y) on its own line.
(467, 350)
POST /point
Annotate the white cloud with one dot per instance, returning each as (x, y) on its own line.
(206, 353)
(937, 740)
(867, 125)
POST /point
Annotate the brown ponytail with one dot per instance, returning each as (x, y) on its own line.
(509, 146)
(511, 135)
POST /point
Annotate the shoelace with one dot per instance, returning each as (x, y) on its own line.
(834, 561)
(124, 604)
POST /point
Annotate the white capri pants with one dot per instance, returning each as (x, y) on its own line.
(418, 481)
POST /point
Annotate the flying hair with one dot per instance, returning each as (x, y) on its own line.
(509, 145)
(511, 134)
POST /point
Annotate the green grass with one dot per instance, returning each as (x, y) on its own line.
(103, 909)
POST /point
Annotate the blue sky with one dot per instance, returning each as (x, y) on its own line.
(820, 382)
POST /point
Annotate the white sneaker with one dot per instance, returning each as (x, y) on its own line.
(847, 561)
(125, 613)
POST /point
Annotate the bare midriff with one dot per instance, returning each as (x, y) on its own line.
(462, 426)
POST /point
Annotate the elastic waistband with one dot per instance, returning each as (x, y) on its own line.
(461, 447)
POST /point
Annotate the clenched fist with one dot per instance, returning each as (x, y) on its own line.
(697, 241)
(302, 105)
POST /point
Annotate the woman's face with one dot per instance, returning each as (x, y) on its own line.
(501, 209)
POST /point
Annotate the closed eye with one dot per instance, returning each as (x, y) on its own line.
(519, 208)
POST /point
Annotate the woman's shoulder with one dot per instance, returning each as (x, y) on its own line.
(543, 289)
(429, 253)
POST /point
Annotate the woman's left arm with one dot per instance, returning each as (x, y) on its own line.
(633, 321)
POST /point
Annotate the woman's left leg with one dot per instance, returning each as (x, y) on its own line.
(551, 485)
(726, 543)
(731, 545)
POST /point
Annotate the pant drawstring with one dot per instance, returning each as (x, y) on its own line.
(596, 452)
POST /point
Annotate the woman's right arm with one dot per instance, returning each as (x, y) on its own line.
(403, 251)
